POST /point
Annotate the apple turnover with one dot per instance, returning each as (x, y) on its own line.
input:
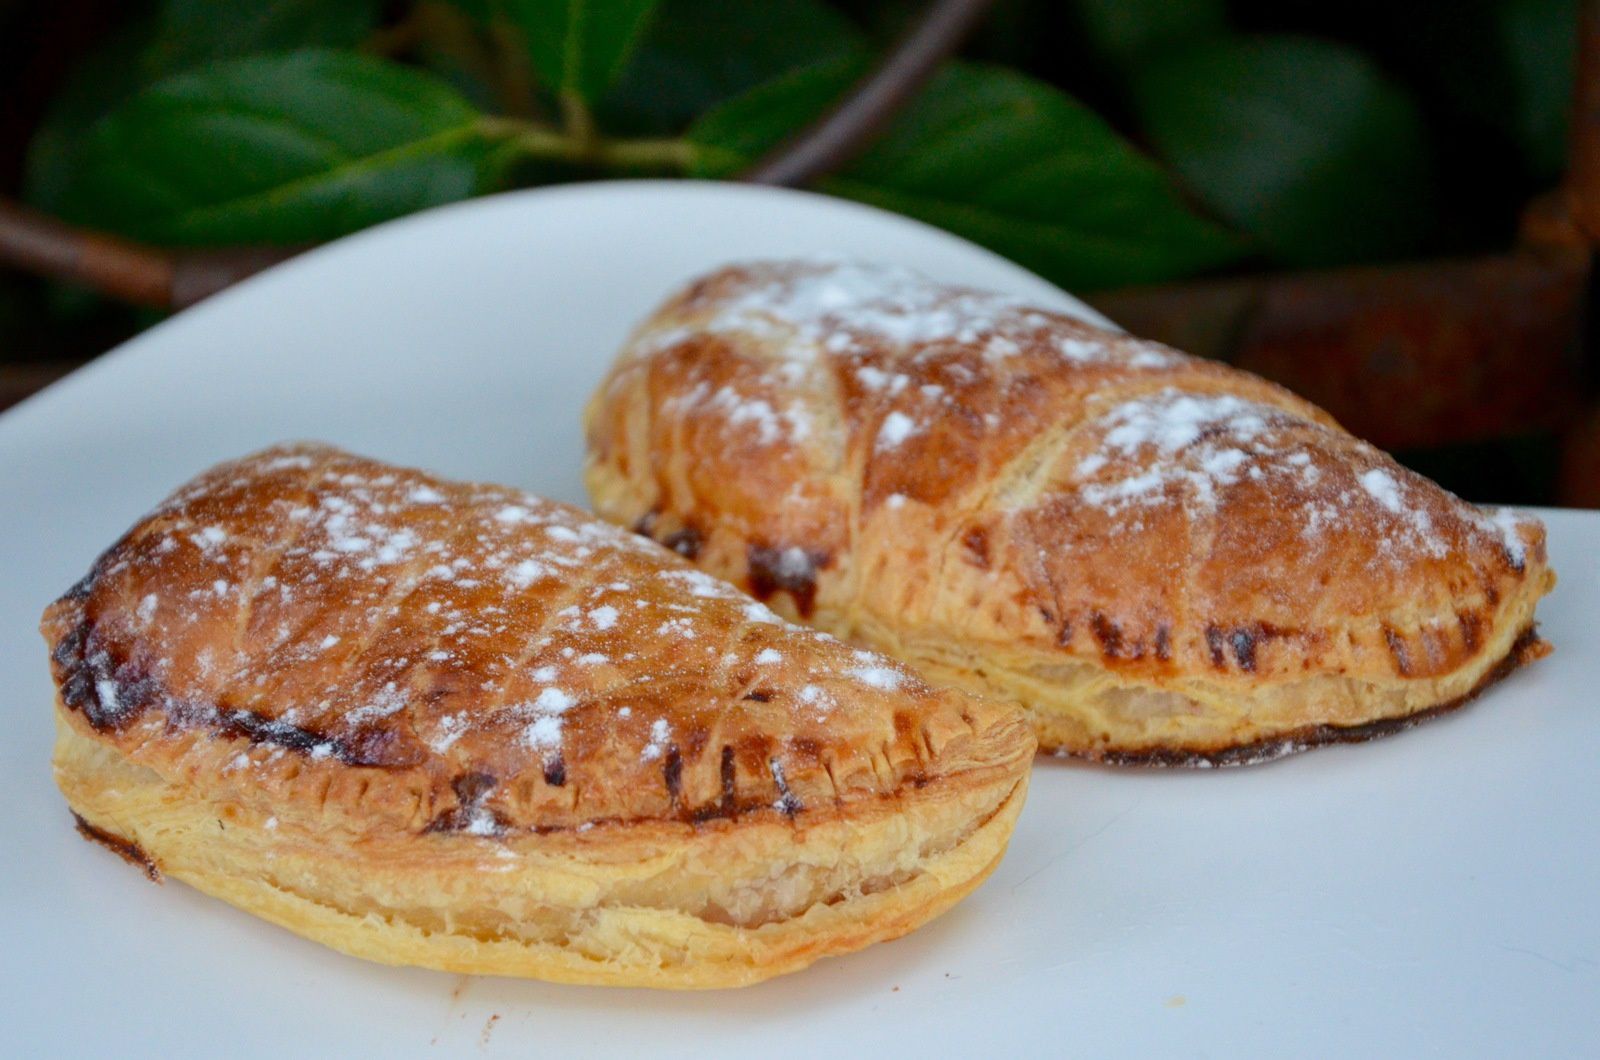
(1161, 559)
(458, 726)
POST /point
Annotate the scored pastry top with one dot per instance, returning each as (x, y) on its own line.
(310, 626)
(1075, 489)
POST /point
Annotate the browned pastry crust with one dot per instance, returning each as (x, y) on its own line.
(1162, 559)
(1527, 647)
(459, 726)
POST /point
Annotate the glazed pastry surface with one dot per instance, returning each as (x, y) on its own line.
(459, 726)
(1161, 559)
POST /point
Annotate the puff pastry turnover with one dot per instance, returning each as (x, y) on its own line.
(458, 726)
(1162, 559)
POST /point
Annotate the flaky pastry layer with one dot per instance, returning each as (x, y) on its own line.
(1159, 558)
(459, 726)
(679, 906)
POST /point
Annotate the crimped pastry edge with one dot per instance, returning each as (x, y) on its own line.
(1526, 648)
(1414, 701)
(110, 800)
(1053, 714)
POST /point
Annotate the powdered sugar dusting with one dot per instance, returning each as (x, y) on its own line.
(702, 585)
(543, 733)
(769, 424)
(1215, 432)
(877, 676)
(897, 427)
(660, 737)
(525, 572)
(393, 617)
(835, 302)
(1382, 487)
(209, 537)
(758, 612)
(1506, 525)
(845, 308)
(871, 323)
(450, 729)
(388, 700)
(749, 417)
(1192, 447)
(1386, 490)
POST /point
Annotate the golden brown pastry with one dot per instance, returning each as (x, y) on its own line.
(1161, 559)
(461, 727)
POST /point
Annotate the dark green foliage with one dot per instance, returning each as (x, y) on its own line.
(999, 158)
(220, 121)
(1302, 144)
(276, 149)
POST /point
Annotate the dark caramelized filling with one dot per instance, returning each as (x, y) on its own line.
(125, 849)
(469, 813)
(1527, 647)
(685, 542)
(793, 571)
(112, 693)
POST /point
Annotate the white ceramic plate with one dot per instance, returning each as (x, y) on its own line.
(1435, 892)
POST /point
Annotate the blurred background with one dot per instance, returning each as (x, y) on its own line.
(1391, 208)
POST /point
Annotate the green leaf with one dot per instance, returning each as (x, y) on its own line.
(180, 35)
(1497, 77)
(277, 149)
(729, 137)
(1004, 160)
(1121, 30)
(1541, 51)
(113, 71)
(579, 46)
(1301, 143)
(198, 31)
(681, 71)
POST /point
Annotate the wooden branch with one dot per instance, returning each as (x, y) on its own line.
(32, 242)
(121, 269)
(866, 110)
